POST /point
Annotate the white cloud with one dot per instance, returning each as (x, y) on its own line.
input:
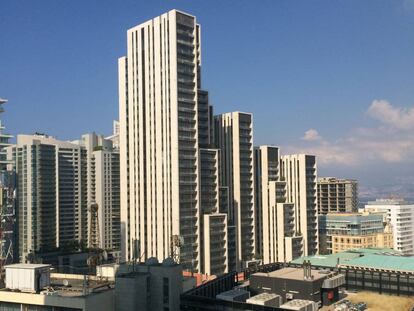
(399, 118)
(392, 143)
(311, 135)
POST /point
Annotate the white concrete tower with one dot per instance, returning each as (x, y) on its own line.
(158, 86)
(234, 137)
(300, 173)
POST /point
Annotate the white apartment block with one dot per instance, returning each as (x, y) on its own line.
(400, 215)
(158, 96)
(49, 192)
(215, 244)
(234, 137)
(101, 184)
(213, 224)
(337, 195)
(300, 174)
(266, 162)
(277, 238)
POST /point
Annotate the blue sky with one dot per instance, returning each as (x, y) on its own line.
(341, 70)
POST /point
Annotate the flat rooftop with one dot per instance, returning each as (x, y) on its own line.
(27, 266)
(292, 274)
(373, 258)
(71, 285)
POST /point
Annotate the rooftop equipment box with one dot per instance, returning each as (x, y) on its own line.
(239, 295)
(27, 277)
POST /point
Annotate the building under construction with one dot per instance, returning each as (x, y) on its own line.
(7, 200)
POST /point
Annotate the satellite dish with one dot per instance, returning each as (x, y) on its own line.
(65, 282)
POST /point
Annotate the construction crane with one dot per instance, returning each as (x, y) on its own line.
(96, 255)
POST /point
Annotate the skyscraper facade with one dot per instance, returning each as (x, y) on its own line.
(277, 237)
(160, 182)
(101, 188)
(234, 138)
(49, 205)
(300, 174)
(58, 181)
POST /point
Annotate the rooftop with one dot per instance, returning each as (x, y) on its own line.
(389, 202)
(292, 274)
(27, 266)
(374, 258)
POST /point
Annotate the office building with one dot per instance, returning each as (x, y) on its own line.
(277, 238)
(158, 96)
(342, 231)
(337, 195)
(300, 174)
(400, 214)
(234, 137)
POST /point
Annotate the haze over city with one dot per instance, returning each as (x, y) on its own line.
(329, 78)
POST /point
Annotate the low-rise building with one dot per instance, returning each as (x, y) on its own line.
(149, 286)
(34, 287)
(318, 286)
(343, 231)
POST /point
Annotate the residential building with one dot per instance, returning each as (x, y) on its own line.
(101, 188)
(277, 237)
(400, 214)
(300, 174)
(342, 231)
(49, 193)
(58, 182)
(115, 135)
(337, 195)
(213, 235)
(234, 137)
(159, 82)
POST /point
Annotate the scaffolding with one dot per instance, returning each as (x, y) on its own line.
(7, 200)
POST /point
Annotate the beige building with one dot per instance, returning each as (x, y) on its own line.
(337, 195)
(342, 243)
(278, 240)
(234, 137)
(214, 254)
(101, 182)
(159, 82)
(300, 174)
